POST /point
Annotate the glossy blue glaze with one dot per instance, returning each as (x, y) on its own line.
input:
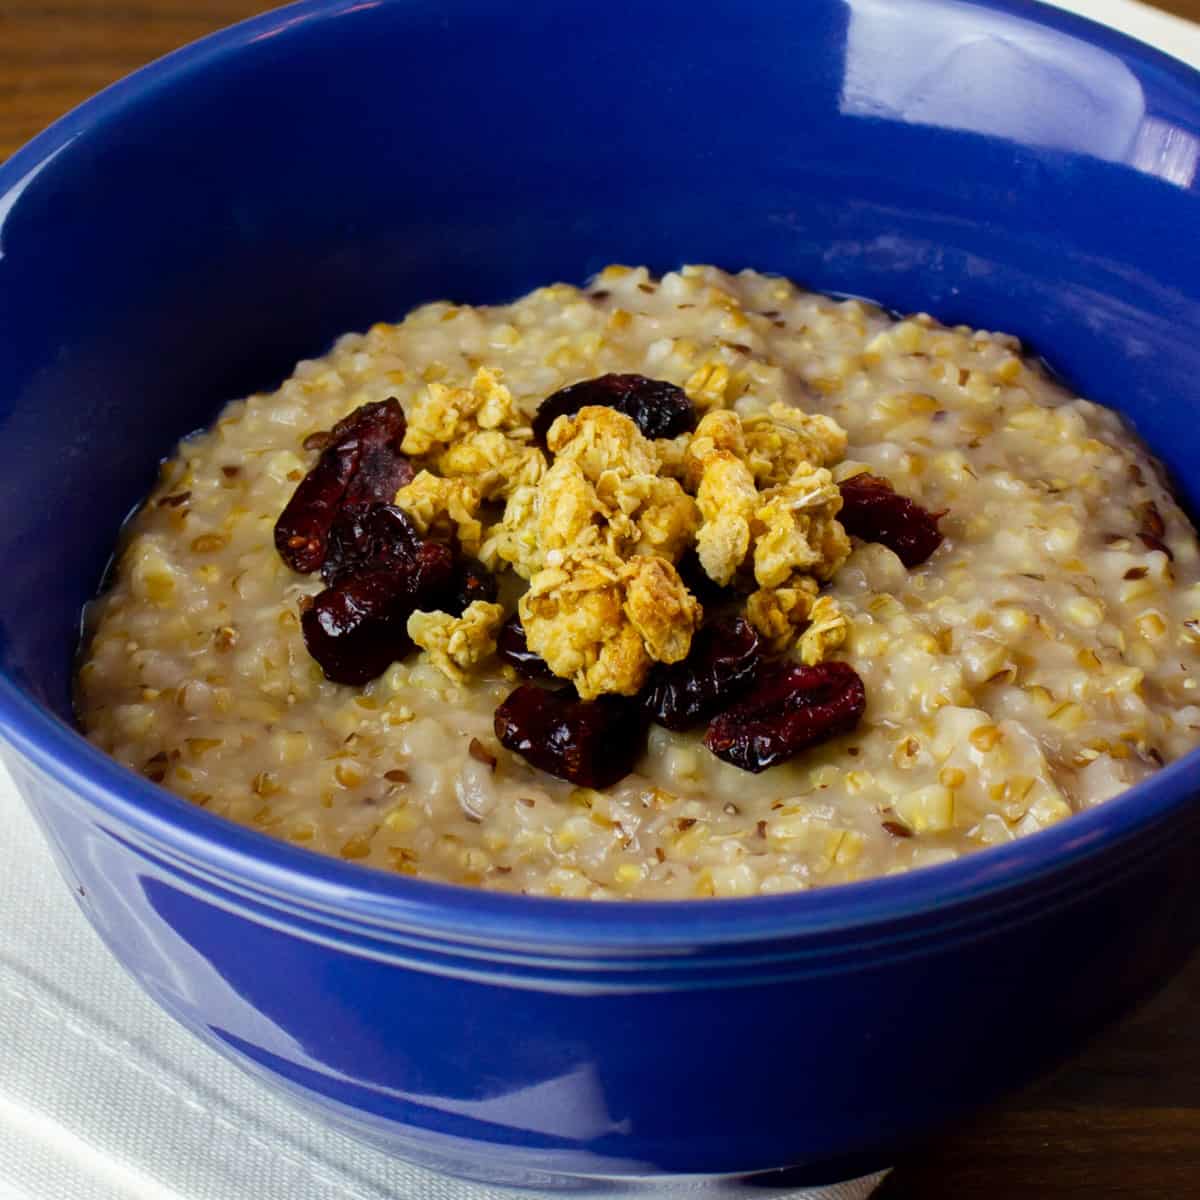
(186, 236)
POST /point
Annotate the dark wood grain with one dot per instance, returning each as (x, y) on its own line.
(1122, 1121)
(56, 53)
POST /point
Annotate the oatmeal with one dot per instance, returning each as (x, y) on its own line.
(693, 586)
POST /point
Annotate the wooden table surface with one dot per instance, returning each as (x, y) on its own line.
(1123, 1121)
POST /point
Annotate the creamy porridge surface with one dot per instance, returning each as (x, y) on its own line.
(1039, 662)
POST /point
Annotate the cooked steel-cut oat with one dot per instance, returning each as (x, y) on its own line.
(918, 508)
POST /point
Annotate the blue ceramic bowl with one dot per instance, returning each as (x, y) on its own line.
(187, 235)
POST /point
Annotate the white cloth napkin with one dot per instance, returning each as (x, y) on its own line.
(103, 1097)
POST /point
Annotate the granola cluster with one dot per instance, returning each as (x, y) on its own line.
(605, 489)
(597, 524)
(457, 644)
(475, 433)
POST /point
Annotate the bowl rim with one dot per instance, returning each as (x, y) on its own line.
(301, 880)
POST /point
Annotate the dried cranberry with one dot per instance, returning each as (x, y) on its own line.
(592, 743)
(369, 537)
(382, 469)
(429, 577)
(790, 707)
(720, 666)
(874, 511)
(357, 629)
(302, 531)
(512, 647)
(471, 581)
(362, 462)
(699, 583)
(660, 409)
